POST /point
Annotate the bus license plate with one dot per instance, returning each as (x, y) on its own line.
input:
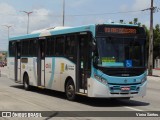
(125, 88)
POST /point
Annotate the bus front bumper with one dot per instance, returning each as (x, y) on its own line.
(99, 90)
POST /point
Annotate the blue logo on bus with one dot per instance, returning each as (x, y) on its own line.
(128, 63)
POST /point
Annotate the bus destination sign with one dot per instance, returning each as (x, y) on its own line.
(120, 30)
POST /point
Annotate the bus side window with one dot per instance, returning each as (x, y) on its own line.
(25, 48)
(52, 46)
(12, 49)
(59, 47)
(70, 46)
(32, 48)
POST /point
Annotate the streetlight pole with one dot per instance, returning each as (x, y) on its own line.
(28, 14)
(63, 11)
(8, 27)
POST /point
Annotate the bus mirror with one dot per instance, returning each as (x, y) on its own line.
(95, 61)
(93, 46)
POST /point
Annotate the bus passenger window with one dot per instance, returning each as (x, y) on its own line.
(59, 47)
(70, 46)
(11, 49)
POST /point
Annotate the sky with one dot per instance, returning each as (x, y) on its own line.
(48, 13)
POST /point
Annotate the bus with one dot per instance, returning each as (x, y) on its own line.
(99, 60)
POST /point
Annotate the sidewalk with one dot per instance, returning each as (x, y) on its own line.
(156, 72)
(155, 76)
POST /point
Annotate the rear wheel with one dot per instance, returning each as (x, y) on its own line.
(26, 82)
(70, 90)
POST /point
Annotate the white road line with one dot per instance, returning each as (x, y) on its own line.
(135, 109)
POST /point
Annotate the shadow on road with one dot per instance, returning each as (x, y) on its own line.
(104, 102)
(96, 102)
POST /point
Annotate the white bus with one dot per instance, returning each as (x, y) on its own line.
(103, 61)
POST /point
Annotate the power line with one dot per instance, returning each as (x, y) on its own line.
(106, 13)
(90, 14)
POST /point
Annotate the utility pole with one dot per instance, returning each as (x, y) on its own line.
(8, 27)
(28, 14)
(150, 57)
(63, 11)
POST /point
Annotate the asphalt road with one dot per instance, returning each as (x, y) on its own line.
(14, 98)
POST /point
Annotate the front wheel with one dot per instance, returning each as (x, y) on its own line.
(70, 90)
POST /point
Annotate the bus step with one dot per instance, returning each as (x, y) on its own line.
(17, 81)
(41, 87)
(83, 91)
(78, 93)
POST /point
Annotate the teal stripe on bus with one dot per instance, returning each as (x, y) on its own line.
(52, 74)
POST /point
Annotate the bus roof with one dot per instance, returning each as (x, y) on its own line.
(62, 30)
(54, 31)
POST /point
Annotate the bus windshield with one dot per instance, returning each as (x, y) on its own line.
(121, 52)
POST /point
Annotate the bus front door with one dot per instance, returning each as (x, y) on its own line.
(83, 62)
(18, 62)
(41, 63)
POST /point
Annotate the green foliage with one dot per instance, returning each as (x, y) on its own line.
(156, 38)
(135, 21)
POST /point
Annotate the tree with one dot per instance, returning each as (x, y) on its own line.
(156, 37)
(135, 21)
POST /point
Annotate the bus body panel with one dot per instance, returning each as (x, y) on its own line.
(31, 70)
(56, 72)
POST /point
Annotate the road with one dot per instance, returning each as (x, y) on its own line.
(14, 98)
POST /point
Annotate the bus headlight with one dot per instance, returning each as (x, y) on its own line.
(143, 80)
(100, 79)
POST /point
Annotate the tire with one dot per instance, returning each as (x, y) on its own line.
(26, 82)
(70, 90)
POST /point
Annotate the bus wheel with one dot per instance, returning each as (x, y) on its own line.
(26, 82)
(70, 90)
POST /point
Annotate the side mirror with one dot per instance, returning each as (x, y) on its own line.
(93, 46)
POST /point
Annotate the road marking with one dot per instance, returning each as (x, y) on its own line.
(135, 109)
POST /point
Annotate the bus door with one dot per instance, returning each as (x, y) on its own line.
(83, 61)
(41, 63)
(18, 62)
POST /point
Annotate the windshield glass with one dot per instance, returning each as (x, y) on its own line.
(120, 52)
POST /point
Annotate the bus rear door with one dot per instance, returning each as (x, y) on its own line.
(41, 63)
(18, 62)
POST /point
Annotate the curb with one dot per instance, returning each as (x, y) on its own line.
(156, 68)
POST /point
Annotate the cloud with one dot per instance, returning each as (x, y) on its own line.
(41, 18)
(6, 9)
